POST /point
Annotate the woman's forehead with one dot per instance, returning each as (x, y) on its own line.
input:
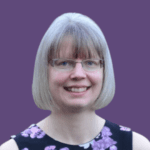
(71, 54)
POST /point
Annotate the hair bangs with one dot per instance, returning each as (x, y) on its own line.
(83, 45)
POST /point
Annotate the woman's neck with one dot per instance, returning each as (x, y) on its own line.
(73, 129)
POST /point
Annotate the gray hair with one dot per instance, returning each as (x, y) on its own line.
(86, 34)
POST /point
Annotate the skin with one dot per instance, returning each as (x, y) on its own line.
(75, 122)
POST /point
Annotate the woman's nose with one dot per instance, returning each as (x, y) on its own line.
(78, 72)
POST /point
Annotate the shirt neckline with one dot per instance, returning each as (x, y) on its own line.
(65, 144)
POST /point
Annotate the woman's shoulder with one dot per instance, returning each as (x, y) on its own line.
(10, 144)
(140, 142)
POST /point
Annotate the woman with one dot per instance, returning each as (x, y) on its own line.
(73, 77)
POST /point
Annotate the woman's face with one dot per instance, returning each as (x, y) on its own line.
(68, 101)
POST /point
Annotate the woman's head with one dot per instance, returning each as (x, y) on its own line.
(87, 41)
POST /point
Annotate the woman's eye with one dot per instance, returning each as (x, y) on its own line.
(90, 63)
(63, 63)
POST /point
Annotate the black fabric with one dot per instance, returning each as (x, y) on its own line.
(112, 137)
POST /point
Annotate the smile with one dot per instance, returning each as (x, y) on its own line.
(77, 90)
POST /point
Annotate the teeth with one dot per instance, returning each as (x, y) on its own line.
(77, 89)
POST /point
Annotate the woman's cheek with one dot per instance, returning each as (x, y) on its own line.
(96, 75)
(60, 79)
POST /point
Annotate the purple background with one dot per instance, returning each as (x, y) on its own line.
(126, 26)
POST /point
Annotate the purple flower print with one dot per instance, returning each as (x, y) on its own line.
(113, 147)
(124, 128)
(66, 148)
(106, 132)
(26, 133)
(98, 145)
(50, 147)
(25, 148)
(109, 140)
(33, 132)
(105, 142)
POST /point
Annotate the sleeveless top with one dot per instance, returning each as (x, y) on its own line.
(111, 137)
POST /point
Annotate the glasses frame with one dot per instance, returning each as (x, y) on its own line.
(52, 62)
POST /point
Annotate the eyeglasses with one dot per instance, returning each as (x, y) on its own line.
(69, 64)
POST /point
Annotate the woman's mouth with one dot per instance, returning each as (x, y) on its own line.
(76, 90)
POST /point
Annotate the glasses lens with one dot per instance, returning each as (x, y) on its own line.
(67, 64)
(91, 64)
(63, 64)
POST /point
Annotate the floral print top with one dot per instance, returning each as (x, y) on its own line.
(111, 137)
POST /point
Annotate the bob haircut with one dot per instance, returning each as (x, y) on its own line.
(87, 38)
